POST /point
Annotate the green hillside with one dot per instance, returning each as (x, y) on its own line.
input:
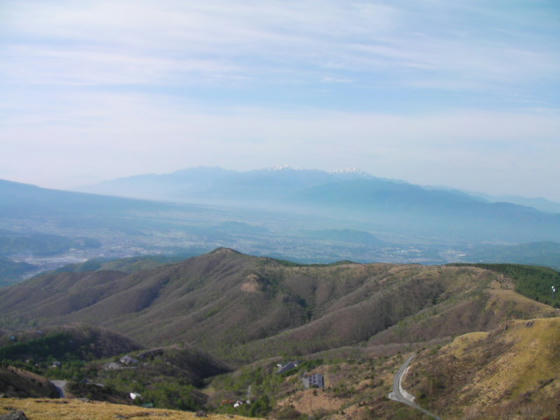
(539, 283)
(76, 342)
(167, 377)
(86, 357)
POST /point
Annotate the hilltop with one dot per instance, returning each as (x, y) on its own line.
(240, 307)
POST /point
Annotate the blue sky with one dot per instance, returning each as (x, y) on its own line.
(464, 93)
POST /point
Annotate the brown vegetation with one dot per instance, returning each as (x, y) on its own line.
(242, 307)
(20, 383)
(45, 409)
(511, 372)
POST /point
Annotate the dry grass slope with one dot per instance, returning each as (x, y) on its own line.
(63, 409)
(20, 383)
(511, 372)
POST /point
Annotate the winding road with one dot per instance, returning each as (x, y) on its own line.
(400, 395)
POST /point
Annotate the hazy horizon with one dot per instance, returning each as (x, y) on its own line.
(87, 188)
(461, 95)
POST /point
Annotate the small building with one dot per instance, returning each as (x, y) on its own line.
(56, 364)
(315, 380)
(237, 404)
(287, 367)
(134, 395)
(112, 366)
(128, 361)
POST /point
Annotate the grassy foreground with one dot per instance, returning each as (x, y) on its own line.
(72, 409)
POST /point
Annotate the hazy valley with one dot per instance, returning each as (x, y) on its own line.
(303, 216)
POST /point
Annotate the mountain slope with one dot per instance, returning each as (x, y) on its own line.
(215, 183)
(76, 342)
(31, 201)
(12, 271)
(20, 383)
(242, 307)
(511, 372)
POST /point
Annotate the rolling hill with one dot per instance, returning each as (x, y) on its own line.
(240, 307)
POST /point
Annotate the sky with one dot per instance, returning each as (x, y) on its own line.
(464, 94)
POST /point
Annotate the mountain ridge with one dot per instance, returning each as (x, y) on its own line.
(238, 306)
(393, 205)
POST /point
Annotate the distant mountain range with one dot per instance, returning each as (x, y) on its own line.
(213, 183)
(304, 216)
(29, 201)
(283, 183)
(539, 203)
(442, 214)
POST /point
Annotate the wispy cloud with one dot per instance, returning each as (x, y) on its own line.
(262, 40)
(463, 92)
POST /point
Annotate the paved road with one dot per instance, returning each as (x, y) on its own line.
(60, 385)
(400, 395)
